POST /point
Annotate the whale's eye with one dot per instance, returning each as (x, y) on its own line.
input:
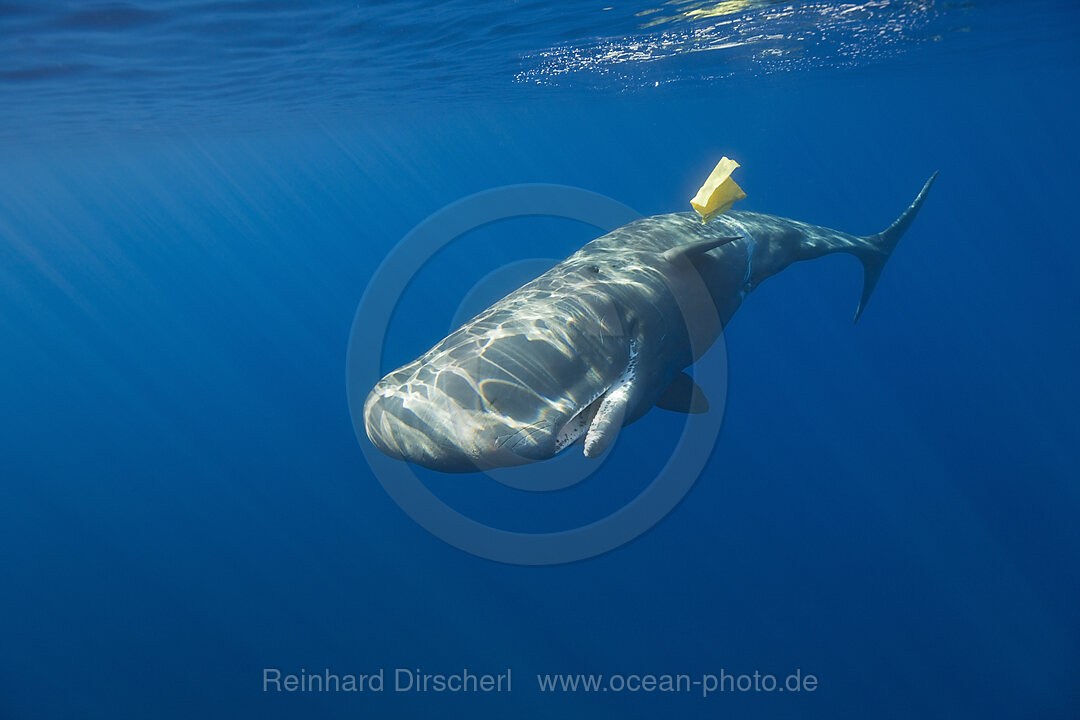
(592, 269)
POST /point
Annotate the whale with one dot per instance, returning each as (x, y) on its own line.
(598, 340)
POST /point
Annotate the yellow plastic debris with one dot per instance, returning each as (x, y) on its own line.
(719, 192)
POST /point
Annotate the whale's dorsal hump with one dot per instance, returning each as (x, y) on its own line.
(692, 251)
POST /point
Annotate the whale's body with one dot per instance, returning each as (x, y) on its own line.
(598, 340)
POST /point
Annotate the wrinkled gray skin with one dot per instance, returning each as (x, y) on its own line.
(598, 340)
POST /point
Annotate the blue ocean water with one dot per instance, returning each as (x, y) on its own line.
(194, 196)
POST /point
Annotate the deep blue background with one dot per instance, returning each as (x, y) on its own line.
(891, 506)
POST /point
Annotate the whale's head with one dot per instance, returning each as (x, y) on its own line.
(449, 425)
(492, 396)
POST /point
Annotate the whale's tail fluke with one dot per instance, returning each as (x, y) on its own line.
(879, 247)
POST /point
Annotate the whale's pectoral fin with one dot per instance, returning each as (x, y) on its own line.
(685, 396)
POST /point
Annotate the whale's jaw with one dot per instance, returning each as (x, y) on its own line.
(432, 430)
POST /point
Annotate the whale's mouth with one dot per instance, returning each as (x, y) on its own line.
(599, 420)
(576, 427)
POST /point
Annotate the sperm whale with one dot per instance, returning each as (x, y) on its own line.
(597, 341)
